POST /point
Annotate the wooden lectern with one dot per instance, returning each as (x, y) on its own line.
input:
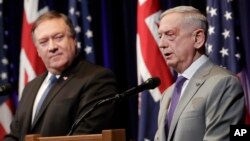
(106, 135)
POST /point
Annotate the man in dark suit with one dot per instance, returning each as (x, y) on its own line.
(209, 98)
(77, 85)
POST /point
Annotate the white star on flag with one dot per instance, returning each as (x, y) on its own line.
(224, 52)
(228, 15)
(88, 49)
(226, 33)
(89, 33)
(213, 11)
(211, 30)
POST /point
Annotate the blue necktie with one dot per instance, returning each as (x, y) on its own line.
(52, 81)
(174, 101)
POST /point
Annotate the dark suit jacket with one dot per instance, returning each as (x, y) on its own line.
(212, 101)
(77, 90)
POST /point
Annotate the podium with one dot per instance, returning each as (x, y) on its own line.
(106, 135)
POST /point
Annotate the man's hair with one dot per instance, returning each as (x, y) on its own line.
(54, 15)
(191, 15)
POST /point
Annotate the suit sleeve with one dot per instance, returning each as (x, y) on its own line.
(224, 107)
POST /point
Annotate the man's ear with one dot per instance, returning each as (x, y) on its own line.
(199, 38)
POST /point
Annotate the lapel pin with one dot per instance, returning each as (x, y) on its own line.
(65, 78)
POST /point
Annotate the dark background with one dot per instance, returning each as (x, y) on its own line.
(120, 36)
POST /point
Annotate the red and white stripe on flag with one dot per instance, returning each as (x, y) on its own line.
(8, 109)
(30, 63)
(150, 61)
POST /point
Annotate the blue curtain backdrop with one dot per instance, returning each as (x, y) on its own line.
(114, 41)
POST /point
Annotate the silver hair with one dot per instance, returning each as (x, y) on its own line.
(192, 16)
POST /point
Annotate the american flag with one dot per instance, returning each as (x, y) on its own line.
(6, 105)
(223, 40)
(150, 63)
(224, 43)
(79, 14)
(30, 63)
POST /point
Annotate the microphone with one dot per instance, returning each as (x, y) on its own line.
(5, 89)
(151, 83)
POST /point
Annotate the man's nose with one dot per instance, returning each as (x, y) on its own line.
(52, 45)
(163, 43)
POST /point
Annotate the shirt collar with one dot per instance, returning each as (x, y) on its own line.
(49, 75)
(190, 71)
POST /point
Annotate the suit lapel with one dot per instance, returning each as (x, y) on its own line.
(29, 99)
(53, 92)
(165, 104)
(193, 86)
(66, 76)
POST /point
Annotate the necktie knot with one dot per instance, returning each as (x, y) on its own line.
(179, 83)
(52, 79)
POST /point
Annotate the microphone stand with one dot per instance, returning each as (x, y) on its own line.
(100, 102)
(151, 83)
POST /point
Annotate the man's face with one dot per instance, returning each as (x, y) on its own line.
(176, 42)
(55, 45)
